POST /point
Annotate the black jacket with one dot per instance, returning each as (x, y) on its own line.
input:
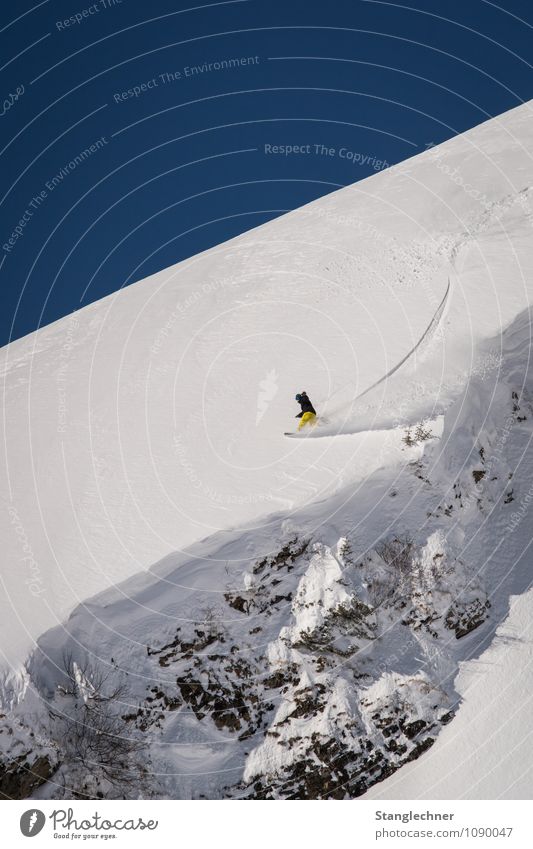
(306, 406)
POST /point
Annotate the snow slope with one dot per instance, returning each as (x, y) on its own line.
(149, 425)
(322, 668)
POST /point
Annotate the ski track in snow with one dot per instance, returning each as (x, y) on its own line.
(325, 429)
(430, 329)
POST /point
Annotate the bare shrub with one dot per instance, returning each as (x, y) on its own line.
(212, 623)
(399, 552)
(421, 434)
(101, 757)
(408, 438)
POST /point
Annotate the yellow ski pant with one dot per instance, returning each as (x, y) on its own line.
(307, 419)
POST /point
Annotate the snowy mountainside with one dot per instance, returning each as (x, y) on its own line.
(301, 634)
(322, 668)
(137, 426)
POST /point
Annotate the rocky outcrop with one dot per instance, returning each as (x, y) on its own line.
(19, 778)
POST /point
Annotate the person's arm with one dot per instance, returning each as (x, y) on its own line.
(299, 415)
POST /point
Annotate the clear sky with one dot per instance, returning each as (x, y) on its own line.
(137, 134)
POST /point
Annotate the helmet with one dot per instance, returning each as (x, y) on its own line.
(297, 397)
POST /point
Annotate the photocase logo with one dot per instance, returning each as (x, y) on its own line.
(268, 389)
(32, 822)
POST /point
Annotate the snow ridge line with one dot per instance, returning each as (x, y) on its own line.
(429, 329)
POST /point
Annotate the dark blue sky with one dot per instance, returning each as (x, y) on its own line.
(179, 163)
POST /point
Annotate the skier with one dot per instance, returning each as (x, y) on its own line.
(308, 414)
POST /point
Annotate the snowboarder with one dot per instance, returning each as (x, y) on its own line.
(308, 414)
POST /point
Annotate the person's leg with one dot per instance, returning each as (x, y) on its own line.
(307, 419)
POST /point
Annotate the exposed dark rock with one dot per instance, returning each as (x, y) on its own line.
(411, 729)
(284, 558)
(19, 778)
(465, 618)
(446, 717)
